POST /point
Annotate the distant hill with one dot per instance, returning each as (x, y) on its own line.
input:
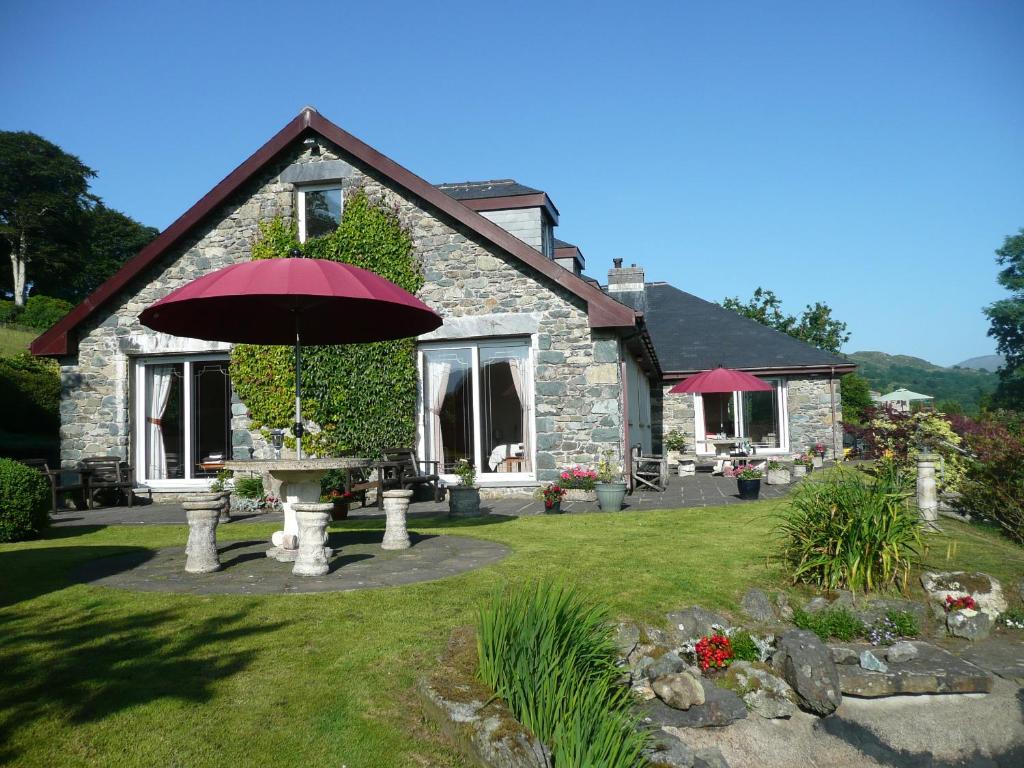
(984, 363)
(961, 384)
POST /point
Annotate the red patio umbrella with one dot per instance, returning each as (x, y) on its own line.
(291, 301)
(721, 380)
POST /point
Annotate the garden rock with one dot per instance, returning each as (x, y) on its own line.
(710, 758)
(785, 612)
(843, 655)
(999, 654)
(693, 622)
(933, 670)
(968, 624)
(816, 604)
(666, 751)
(869, 661)
(757, 606)
(763, 693)
(668, 664)
(901, 652)
(806, 664)
(986, 591)
(680, 691)
(720, 707)
(627, 637)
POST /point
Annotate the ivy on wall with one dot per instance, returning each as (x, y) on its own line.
(361, 396)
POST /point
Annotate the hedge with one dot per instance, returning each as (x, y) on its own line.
(24, 501)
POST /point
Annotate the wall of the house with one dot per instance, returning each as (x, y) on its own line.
(810, 411)
(577, 389)
(525, 223)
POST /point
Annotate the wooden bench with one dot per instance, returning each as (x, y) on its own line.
(401, 469)
(109, 473)
(62, 481)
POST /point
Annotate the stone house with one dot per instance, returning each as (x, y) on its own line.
(535, 368)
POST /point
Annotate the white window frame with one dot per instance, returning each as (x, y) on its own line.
(300, 202)
(705, 448)
(139, 433)
(473, 345)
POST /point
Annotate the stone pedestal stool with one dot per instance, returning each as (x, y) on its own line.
(225, 506)
(396, 504)
(203, 512)
(313, 555)
(927, 491)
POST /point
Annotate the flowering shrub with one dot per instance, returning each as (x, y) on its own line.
(578, 477)
(899, 437)
(714, 652)
(960, 603)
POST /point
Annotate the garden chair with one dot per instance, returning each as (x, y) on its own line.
(648, 471)
(401, 469)
(62, 481)
(109, 473)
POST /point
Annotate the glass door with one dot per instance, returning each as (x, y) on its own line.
(758, 417)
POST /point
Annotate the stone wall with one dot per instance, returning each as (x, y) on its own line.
(577, 400)
(811, 417)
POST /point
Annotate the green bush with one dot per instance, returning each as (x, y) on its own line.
(30, 393)
(249, 487)
(9, 311)
(743, 647)
(552, 659)
(837, 623)
(24, 501)
(851, 531)
(43, 311)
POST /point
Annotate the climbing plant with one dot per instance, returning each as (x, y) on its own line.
(362, 397)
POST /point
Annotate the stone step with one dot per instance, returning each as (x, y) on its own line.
(933, 671)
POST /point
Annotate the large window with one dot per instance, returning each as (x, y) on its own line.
(758, 417)
(319, 210)
(183, 419)
(477, 405)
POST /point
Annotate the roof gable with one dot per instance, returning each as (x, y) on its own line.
(603, 311)
(692, 334)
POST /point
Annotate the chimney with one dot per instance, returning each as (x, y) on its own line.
(627, 284)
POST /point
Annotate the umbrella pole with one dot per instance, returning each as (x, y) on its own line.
(298, 390)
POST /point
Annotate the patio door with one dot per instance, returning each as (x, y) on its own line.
(182, 419)
(477, 404)
(758, 417)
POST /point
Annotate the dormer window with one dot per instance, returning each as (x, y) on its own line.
(547, 239)
(319, 210)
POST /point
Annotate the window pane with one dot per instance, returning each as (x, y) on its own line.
(448, 399)
(761, 418)
(322, 211)
(211, 417)
(165, 422)
(718, 414)
(505, 419)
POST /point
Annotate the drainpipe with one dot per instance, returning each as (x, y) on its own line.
(627, 454)
(832, 396)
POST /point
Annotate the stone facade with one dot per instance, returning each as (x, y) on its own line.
(810, 409)
(577, 390)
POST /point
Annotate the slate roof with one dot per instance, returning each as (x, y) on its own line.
(481, 190)
(691, 334)
(563, 244)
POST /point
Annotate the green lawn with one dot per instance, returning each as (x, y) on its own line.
(14, 340)
(94, 676)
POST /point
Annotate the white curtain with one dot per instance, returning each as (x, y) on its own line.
(160, 379)
(516, 368)
(438, 372)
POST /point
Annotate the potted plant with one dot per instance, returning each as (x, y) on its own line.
(675, 446)
(818, 454)
(611, 489)
(552, 495)
(778, 474)
(341, 499)
(578, 483)
(464, 498)
(748, 481)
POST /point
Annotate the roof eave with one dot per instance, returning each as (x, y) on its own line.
(780, 370)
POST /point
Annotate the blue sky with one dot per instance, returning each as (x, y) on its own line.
(867, 154)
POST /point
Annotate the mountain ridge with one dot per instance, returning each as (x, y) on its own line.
(963, 385)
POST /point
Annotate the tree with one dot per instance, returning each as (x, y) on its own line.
(816, 326)
(43, 192)
(856, 398)
(1006, 323)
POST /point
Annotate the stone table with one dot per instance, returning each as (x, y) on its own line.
(295, 481)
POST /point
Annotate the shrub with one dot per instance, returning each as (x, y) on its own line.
(24, 501)
(552, 659)
(900, 436)
(466, 472)
(675, 441)
(993, 486)
(249, 487)
(744, 648)
(829, 623)
(9, 311)
(851, 531)
(30, 393)
(43, 311)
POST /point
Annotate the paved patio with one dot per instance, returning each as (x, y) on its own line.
(701, 490)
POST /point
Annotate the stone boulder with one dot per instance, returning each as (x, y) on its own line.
(897, 653)
(680, 690)
(666, 751)
(986, 591)
(968, 624)
(627, 637)
(763, 693)
(720, 707)
(668, 664)
(806, 664)
(869, 661)
(758, 607)
(932, 670)
(692, 622)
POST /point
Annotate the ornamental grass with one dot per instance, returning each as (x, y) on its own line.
(852, 531)
(551, 657)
